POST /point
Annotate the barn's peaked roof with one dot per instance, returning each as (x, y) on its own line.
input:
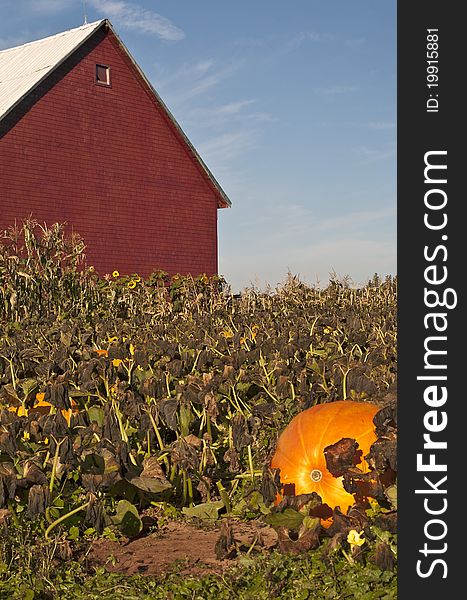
(24, 67)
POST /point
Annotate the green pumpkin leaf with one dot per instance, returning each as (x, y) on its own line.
(73, 533)
(207, 511)
(391, 495)
(310, 523)
(290, 518)
(151, 484)
(29, 386)
(96, 413)
(127, 519)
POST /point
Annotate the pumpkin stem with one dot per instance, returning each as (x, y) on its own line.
(316, 475)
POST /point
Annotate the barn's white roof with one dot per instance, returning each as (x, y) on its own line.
(22, 68)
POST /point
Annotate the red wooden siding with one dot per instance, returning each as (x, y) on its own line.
(107, 161)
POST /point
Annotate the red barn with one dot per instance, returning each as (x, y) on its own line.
(85, 139)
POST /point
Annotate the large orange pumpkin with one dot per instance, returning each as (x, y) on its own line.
(300, 449)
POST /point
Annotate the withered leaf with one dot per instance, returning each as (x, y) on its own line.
(210, 403)
(240, 434)
(307, 537)
(387, 521)
(103, 470)
(184, 455)
(269, 489)
(385, 419)
(4, 514)
(204, 487)
(8, 444)
(32, 474)
(38, 499)
(364, 485)
(310, 501)
(341, 456)
(233, 458)
(383, 557)
(334, 544)
(57, 395)
(63, 550)
(152, 468)
(225, 547)
(168, 409)
(152, 479)
(95, 514)
(383, 453)
(194, 441)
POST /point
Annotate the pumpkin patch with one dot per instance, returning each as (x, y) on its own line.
(127, 408)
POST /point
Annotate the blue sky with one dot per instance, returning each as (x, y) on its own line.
(292, 107)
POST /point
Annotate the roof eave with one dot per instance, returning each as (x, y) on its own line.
(223, 199)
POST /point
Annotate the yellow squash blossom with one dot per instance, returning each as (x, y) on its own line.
(101, 352)
(19, 410)
(41, 403)
(355, 538)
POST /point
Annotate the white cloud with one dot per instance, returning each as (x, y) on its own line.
(222, 116)
(295, 223)
(283, 42)
(193, 79)
(132, 16)
(182, 87)
(173, 78)
(221, 130)
(313, 36)
(232, 108)
(228, 146)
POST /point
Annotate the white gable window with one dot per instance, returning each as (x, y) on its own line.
(103, 74)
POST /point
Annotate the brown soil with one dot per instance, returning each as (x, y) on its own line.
(192, 548)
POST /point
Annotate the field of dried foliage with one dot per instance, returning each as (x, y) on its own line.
(139, 416)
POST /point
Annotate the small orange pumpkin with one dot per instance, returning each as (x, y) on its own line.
(300, 449)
